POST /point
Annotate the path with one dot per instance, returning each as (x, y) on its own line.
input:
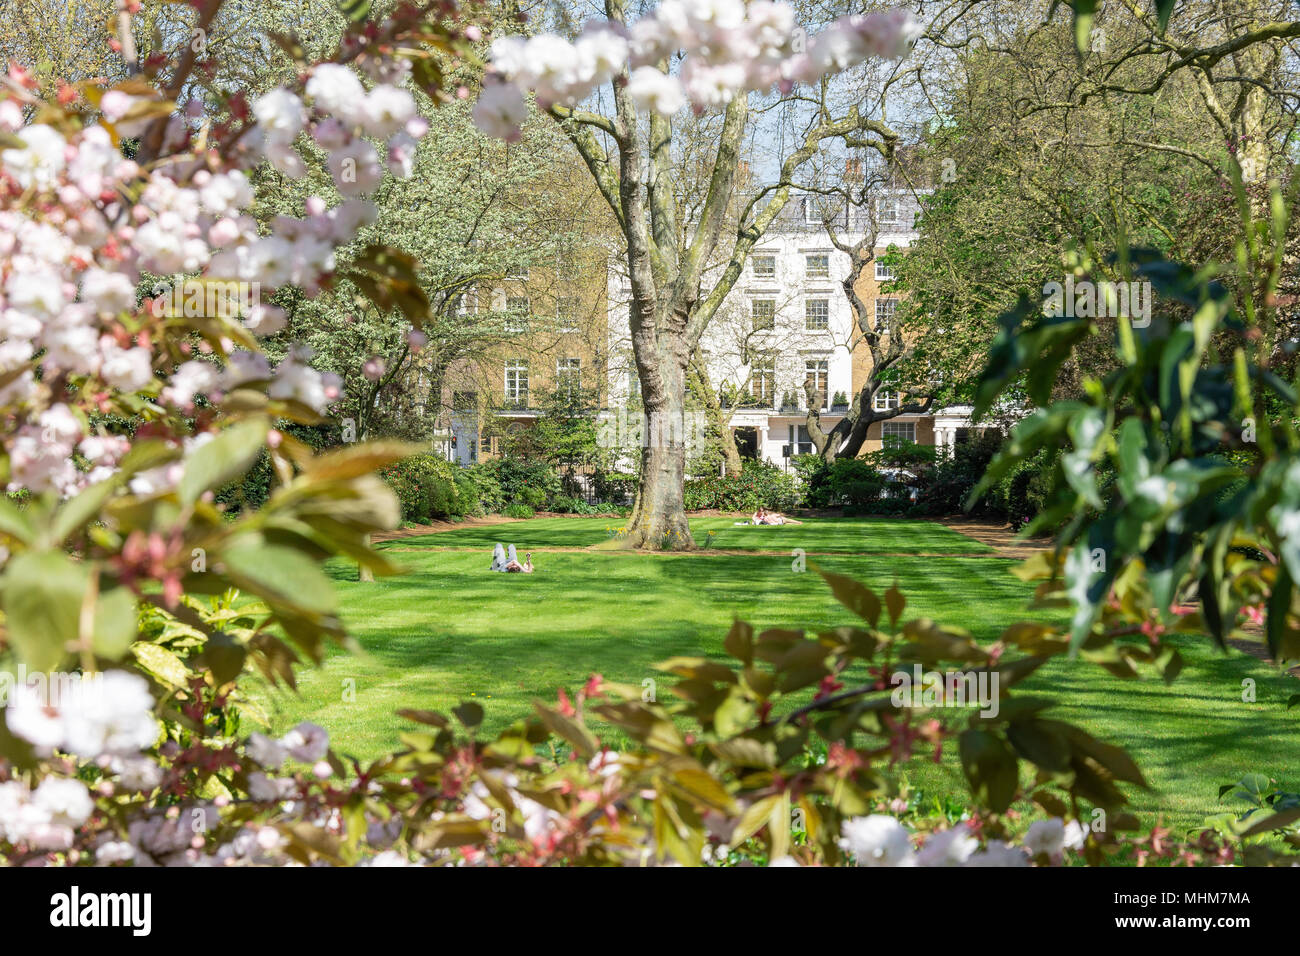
(999, 537)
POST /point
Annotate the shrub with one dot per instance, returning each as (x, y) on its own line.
(426, 488)
(955, 476)
(487, 488)
(468, 501)
(614, 486)
(850, 482)
(518, 511)
(532, 483)
(758, 485)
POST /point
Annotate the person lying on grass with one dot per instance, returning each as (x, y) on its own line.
(763, 516)
(510, 563)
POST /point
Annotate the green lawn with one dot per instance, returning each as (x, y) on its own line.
(448, 631)
(841, 535)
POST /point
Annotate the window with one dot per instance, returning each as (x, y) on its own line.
(568, 374)
(763, 312)
(884, 401)
(518, 308)
(800, 440)
(762, 380)
(884, 272)
(517, 272)
(817, 265)
(517, 382)
(816, 314)
(885, 309)
(633, 383)
(566, 313)
(763, 265)
(811, 213)
(888, 211)
(898, 431)
(816, 372)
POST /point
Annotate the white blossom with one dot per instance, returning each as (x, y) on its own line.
(653, 90)
(307, 742)
(877, 840)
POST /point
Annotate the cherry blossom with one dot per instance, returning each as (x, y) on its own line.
(729, 49)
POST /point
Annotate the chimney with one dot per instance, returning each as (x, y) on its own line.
(853, 170)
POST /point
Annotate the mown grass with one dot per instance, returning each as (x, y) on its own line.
(839, 535)
(447, 631)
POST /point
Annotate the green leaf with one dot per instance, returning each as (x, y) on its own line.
(568, 728)
(146, 454)
(224, 458)
(991, 767)
(1040, 744)
(224, 656)
(858, 598)
(388, 279)
(739, 642)
(896, 602)
(1276, 821)
(733, 714)
(115, 624)
(1164, 9)
(469, 713)
(15, 522)
(280, 574)
(1084, 11)
(162, 664)
(355, 460)
(79, 511)
(42, 598)
(355, 10)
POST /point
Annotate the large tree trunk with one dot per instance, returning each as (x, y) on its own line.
(659, 513)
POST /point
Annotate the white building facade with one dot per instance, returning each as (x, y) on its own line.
(787, 320)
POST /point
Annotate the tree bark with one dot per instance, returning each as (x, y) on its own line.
(658, 517)
(719, 417)
(364, 573)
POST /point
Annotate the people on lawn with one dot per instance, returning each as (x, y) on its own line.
(509, 563)
(763, 516)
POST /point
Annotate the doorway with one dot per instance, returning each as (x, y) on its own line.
(746, 442)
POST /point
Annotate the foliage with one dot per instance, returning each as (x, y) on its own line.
(759, 484)
(575, 506)
(788, 749)
(429, 486)
(955, 475)
(1161, 420)
(614, 487)
(487, 489)
(518, 510)
(851, 482)
(534, 484)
